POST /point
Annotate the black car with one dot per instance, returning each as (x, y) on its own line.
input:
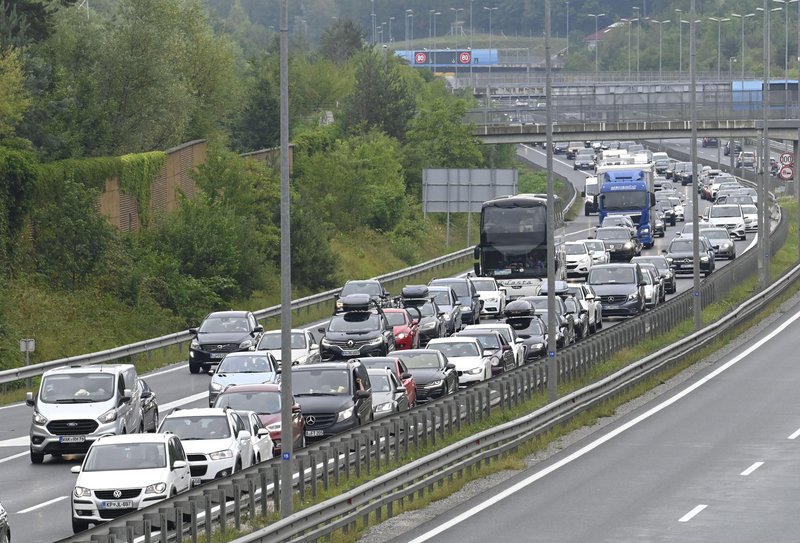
(737, 147)
(494, 344)
(372, 287)
(445, 297)
(579, 315)
(435, 376)
(710, 142)
(359, 328)
(220, 333)
(467, 295)
(149, 406)
(680, 255)
(530, 327)
(620, 287)
(620, 242)
(665, 208)
(418, 301)
(566, 322)
(664, 269)
(334, 396)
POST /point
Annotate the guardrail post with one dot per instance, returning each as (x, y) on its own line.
(414, 434)
(368, 450)
(488, 403)
(424, 423)
(130, 530)
(263, 481)
(312, 463)
(354, 444)
(180, 508)
(223, 508)
(252, 483)
(335, 458)
(457, 414)
(387, 439)
(237, 504)
(325, 466)
(148, 526)
(208, 502)
(301, 477)
(396, 429)
(276, 488)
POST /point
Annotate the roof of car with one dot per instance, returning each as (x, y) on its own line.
(92, 368)
(197, 412)
(339, 364)
(236, 354)
(133, 438)
(293, 331)
(255, 387)
(228, 314)
(451, 339)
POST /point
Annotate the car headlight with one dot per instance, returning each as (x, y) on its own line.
(108, 416)
(436, 383)
(324, 341)
(274, 427)
(246, 344)
(158, 488)
(384, 407)
(39, 419)
(495, 361)
(491, 299)
(475, 371)
(536, 346)
(81, 492)
(401, 335)
(447, 317)
(428, 326)
(194, 344)
(633, 296)
(704, 258)
(645, 230)
(346, 414)
(221, 455)
(215, 386)
(669, 260)
(628, 245)
(727, 245)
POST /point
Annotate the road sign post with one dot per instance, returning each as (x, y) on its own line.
(27, 346)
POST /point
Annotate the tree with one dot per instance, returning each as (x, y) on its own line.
(258, 124)
(16, 100)
(381, 97)
(69, 237)
(18, 176)
(342, 40)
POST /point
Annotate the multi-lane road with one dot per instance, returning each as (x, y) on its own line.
(37, 496)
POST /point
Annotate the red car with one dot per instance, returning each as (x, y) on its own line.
(265, 400)
(400, 370)
(406, 328)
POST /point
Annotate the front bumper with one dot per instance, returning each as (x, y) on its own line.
(97, 509)
(327, 426)
(335, 351)
(624, 308)
(42, 441)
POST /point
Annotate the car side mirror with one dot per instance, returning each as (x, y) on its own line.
(406, 375)
(361, 394)
(262, 432)
(178, 464)
(414, 322)
(296, 408)
(506, 348)
(664, 252)
(450, 366)
(29, 399)
(258, 329)
(75, 469)
(313, 347)
(642, 283)
(400, 390)
(211, 372)
(519, 341)
(193, 331)
(147, 394)
(244, 434)
(321, 329)
(126, 396)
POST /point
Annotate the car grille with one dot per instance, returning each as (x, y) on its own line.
(219, 348)
(198, 471)
(125, 494)
(613, 299)
(71, 427)
(319, 420)
(344, 343)
(196, 457)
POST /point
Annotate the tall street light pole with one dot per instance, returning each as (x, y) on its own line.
(372, 17)
(430, 26)
(629, 22)
(490, 10)
(596, 40)
(552, 362)
(743, 17)
(409, 14)
(697, 302)
(678, 16)
(435, 13)
(763, 225)
(719, 21)
(786, 56)
(455, 33)
(638, 29)
(567, 28)
(391, 37)
(660, 28)
(680, 39)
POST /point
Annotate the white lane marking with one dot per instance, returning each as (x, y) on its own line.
(601, 440)
(41, 505)
(693, 513)
(181, 366)
(9, 406)
(752, 468)
(795, 434)
(16, 442)
(13, 456)
(183, 401)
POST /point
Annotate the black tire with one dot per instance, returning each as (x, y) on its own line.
(37, 457)
(194, 369)
(79, 526)
(586, 211)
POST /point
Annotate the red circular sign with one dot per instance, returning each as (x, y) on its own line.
(420, 58)
(465, 57)
(786, 173)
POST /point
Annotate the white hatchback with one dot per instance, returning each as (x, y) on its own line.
(466, 353)
(493, 296)
(124, 473)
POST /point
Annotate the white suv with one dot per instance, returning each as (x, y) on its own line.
(216, 440)
(727, 216)
(125, 473)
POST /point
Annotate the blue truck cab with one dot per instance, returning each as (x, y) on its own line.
(629, 192)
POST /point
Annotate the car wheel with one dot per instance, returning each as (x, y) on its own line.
(79, 526)
(194, 368)
(37, 457)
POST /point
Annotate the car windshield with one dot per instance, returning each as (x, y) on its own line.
(354, 321)
(271, 341)
(245, 364)
(613, 233)
(419, 360)
(396, 318)
(320, 381)
(674, 201)
(361, 287)
(605, 276)
(577, 292)
(125, 456)
(716, 233)
(196, 427)
(647, 278)
(725, 211)
(262, 402)
(526, 326)
(659, 262)
(460, 287)
(576, 249)
(595, 245)
(214, 325)
(442, 297)
(681, 246)
(456, 349)
(77, 388)
(488, 341)
(485, 285)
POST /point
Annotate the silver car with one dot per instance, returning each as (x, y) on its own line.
(388, 394)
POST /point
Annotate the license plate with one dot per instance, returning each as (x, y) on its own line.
(217, 355)
(313, 433)
(72, 439)
(118, 504)
(350, 352)
(196, 481)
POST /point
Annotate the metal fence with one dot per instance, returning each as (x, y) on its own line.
(362, 453)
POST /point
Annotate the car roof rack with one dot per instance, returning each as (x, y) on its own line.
(356, 302)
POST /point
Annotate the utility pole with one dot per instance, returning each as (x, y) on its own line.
(697, 305)
(552, 361)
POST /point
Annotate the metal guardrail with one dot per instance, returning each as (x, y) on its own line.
(179, 338)
(388, 441)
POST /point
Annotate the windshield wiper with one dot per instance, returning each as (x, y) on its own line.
(75, 400)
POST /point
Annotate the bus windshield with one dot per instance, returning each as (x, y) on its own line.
(501, 221)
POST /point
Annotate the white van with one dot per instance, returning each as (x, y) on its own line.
(78, 404)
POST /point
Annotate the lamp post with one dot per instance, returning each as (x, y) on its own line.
(786, 56)
(731, 60)
(660, 28)
(409, 14)
(638, 29)
(719, 21)
(372, 17)
(567, 28)
(743, 17)
(455, 33)
(435, 13)
(391, 38)
(490, 10)
(678, 16)
(629, 22)
(596, 39)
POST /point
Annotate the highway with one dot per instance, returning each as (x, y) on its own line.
(714, 459)
(41, 513)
